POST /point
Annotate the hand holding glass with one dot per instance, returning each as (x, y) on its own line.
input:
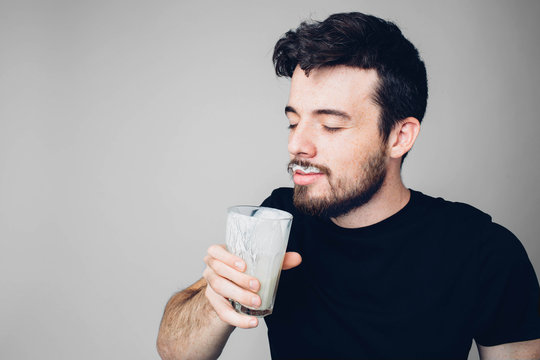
(259, 235)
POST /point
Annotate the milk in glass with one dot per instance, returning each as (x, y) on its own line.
(259, 236)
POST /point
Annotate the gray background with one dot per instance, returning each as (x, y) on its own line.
(128, 127)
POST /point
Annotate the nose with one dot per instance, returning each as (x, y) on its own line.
(302, 141)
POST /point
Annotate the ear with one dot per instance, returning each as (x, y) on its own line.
(403, 136)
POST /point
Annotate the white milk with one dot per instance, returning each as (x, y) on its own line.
(267, 270)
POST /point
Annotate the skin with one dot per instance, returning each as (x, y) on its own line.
(198, 321)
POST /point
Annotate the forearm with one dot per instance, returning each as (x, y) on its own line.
(190, 328)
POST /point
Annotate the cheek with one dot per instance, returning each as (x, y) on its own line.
(346, 159)
(347, 153)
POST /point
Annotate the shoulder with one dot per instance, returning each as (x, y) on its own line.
(477, 226)
(502, 246)
(451, 217)
(456, 211)
(280, 198)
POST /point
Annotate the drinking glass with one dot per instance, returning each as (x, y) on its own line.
(259, 236)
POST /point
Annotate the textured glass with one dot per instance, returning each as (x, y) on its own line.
(259, 235)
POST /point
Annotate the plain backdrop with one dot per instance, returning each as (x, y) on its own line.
(128, 127)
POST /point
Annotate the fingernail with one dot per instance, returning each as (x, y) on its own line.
(255, 301)
(239, 265)
(253, 284)
(253, 322)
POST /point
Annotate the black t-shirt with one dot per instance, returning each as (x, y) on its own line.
(420, 284)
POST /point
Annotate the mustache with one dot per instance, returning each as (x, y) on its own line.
(305, 163)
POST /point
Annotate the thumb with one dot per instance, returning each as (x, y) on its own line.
(291, 259)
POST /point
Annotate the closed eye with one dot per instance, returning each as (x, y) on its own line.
(331, 129)
(291, 126)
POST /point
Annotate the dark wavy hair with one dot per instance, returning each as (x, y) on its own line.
(366, 42)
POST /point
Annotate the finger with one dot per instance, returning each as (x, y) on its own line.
(230, 290)
(226, 312)
(246, 281)
(220, 252)
(291, 259)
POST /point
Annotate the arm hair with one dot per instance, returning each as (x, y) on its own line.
(190, 328)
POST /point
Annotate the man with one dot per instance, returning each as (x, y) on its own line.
(377, 271)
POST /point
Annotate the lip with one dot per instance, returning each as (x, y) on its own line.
(301, 178)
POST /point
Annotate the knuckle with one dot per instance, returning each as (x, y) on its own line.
(212, 280)
(206, 273)
(214, 265)
(212, 249)
(208, 295)
(217, 286)
(211, 294)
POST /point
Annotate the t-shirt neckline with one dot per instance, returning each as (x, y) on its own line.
(407, 214)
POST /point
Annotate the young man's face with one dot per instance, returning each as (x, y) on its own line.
(338, 160)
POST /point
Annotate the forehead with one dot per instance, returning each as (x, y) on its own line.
(343, 87)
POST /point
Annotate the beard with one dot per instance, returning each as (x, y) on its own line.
(345, 194)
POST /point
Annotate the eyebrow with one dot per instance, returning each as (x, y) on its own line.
(334, 112)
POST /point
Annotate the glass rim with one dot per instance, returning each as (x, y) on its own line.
(285, 215)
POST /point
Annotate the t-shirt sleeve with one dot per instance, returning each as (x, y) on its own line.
(508, 297)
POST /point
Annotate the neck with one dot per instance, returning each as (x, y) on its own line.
(391, 197)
